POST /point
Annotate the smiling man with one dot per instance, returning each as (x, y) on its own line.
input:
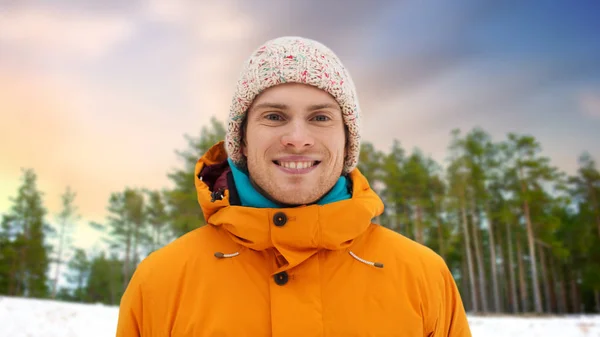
(289, 248)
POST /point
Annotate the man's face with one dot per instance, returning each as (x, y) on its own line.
(294, 143)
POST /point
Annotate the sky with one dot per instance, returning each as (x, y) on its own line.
(98, 95)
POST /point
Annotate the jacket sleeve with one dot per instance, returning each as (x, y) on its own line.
(130, 310)
(452, 318)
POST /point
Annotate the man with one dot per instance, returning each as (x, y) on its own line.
(289, 248)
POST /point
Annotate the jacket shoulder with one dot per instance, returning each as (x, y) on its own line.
(425, 273)
(405, 252)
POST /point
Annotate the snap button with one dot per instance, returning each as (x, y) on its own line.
(281, 278)
(279, 219)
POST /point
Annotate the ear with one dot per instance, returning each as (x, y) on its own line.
(243, 130)
(347, 140)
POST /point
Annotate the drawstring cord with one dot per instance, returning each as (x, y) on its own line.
(221, 255)
(374, 264)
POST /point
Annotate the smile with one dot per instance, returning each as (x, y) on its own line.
(296, 164)
(296, 167)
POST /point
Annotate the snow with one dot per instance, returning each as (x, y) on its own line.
(34, 317)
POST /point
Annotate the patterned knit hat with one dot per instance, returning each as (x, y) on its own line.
(299, 60)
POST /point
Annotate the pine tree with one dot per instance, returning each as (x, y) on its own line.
(458, 176)
(158, 221)
(78, 275)
(105, 280)
(529, 171)
(397, 214)
(585, 189)
(126, 229)
(66, 221)
(23, 239)
(182, 201)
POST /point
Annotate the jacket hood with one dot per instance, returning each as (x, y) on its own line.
(306, 230)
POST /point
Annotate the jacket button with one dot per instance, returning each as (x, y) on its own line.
(281, 278)
(279, 219)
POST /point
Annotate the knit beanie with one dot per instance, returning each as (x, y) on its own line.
(298, 60)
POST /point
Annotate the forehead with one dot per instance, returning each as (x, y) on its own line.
(294, 95)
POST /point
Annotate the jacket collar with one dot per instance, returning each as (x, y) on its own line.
(307, 229)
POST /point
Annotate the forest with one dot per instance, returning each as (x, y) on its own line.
(519, 235)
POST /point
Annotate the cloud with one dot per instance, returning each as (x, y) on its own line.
(589, 102)
(165, 11)
(62, 33)
(219, 37)
(386, 58)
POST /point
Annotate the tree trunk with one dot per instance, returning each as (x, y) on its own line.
(438, 223)
(127, 261)
(597, 297)
(479, 258)
(598, 222)
(534, 274)
(157, 242)
(594, 205)
(441, 239)
(465, 226)
(409, 224)
(136, 239)
(531, 243)
(13, 280)
(503, 283)
(575, 303)
(492, 246)
(80, 286)
(22, 280)
(112, 284)
(464, 284)
(545, 280)
(562, 286)
(554, 292)
(393, 220)
(58, 260)
(418, 225)
(522, 284)
(511, 271)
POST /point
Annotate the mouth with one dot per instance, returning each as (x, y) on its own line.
(297, 165)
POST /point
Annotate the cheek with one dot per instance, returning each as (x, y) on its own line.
(338, 144)
(259, 142)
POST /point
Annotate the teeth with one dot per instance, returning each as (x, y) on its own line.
(296, 164)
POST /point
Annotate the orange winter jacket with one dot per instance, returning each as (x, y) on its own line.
(317, 270)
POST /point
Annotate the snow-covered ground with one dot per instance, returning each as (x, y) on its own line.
(30, 317)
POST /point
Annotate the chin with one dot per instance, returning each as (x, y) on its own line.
(291, 197)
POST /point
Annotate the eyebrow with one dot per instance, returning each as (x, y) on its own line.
(282, 106)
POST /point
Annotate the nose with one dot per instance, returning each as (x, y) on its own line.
(297, 135)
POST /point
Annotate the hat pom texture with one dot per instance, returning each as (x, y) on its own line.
(294, 60)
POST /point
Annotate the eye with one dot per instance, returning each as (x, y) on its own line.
(322, 118)
(273, 117)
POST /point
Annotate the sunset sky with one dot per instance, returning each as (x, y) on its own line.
(98, 95)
